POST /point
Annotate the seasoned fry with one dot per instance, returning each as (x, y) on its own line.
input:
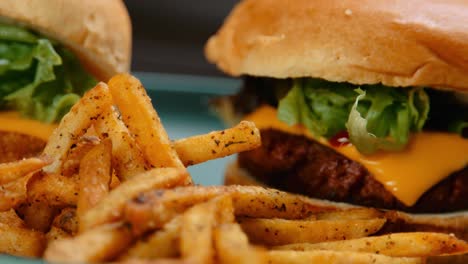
(95, 177)
(67, 221)
(233, 246)
(274, 232)
(158, 207)
(75, 123)
(196, 241)
(334, 257)
(418, 244)
(37, 214)
(128, 159)
(110, 208)
(56, 233)
(20, 241)
(14, 193)
(160, 244)
(11, 218)
(55, 189)
(71, 163)
(95, 245)
(217, 144)
(143, 121)
(14, 170)
(352, 214)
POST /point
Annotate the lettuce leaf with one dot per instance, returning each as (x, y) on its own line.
(38, 77)
(376, 117)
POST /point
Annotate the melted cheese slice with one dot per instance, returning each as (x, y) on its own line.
(13, 122)
(428, 158)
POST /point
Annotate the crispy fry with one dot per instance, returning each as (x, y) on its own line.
(95, 245)
(274, 232)
(55, 189)
(155, 261)
(71, 163)
(11, 218)
(20, 241)
(154, 209)
(143, 121)
(56, 233)
(418, 244)
(352, 214)
(217, 144)
(196, 234)
(110, 208)
(333, 257)
(67, 221)
(37, 214)
(75, 123)
(128, 159)
(160, 244)
(95, 177)
(14, 193)
(233, 246)
(14, 170)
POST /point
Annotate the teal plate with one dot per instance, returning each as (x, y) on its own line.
(182, 103)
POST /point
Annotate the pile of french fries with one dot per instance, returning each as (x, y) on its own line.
(111, 186)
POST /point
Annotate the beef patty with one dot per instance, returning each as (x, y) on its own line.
(15, 146)
(297, 164)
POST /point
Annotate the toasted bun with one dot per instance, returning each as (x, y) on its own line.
(398, 221)
(397, 43)
(98, 31)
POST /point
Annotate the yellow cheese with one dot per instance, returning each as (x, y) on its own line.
(428, 158)
(13, 122)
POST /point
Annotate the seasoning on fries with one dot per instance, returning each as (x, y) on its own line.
(112, 187)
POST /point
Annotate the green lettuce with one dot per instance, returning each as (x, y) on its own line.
(38, 77)
(376, 117)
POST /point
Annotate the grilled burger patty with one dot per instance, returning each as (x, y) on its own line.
(296, 164)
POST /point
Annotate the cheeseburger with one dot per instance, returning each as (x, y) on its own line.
(51, 52)
(361, 102)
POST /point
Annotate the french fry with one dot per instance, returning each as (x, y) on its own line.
(71, 163)
(56, 233)
(75, 123)
(95, 177)
(196, 242)
(37, 214)
(217, 144)
(274, 232)
(14, 170)
(95, 245)
(128, 159)
(11, 218)
(20, 241)
(154, 261)
(335, 257)
(143, 121)
(260, 202)
(233, 247)
(54, 189)
(154, 209)
(67, 220)
(352, 214)
(160, 244)
(110, 208)
(418, 244)
(114, 182)
(14, 193)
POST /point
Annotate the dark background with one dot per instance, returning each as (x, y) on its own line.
(169, 35)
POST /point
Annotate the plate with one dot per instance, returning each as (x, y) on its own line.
(182, 103)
